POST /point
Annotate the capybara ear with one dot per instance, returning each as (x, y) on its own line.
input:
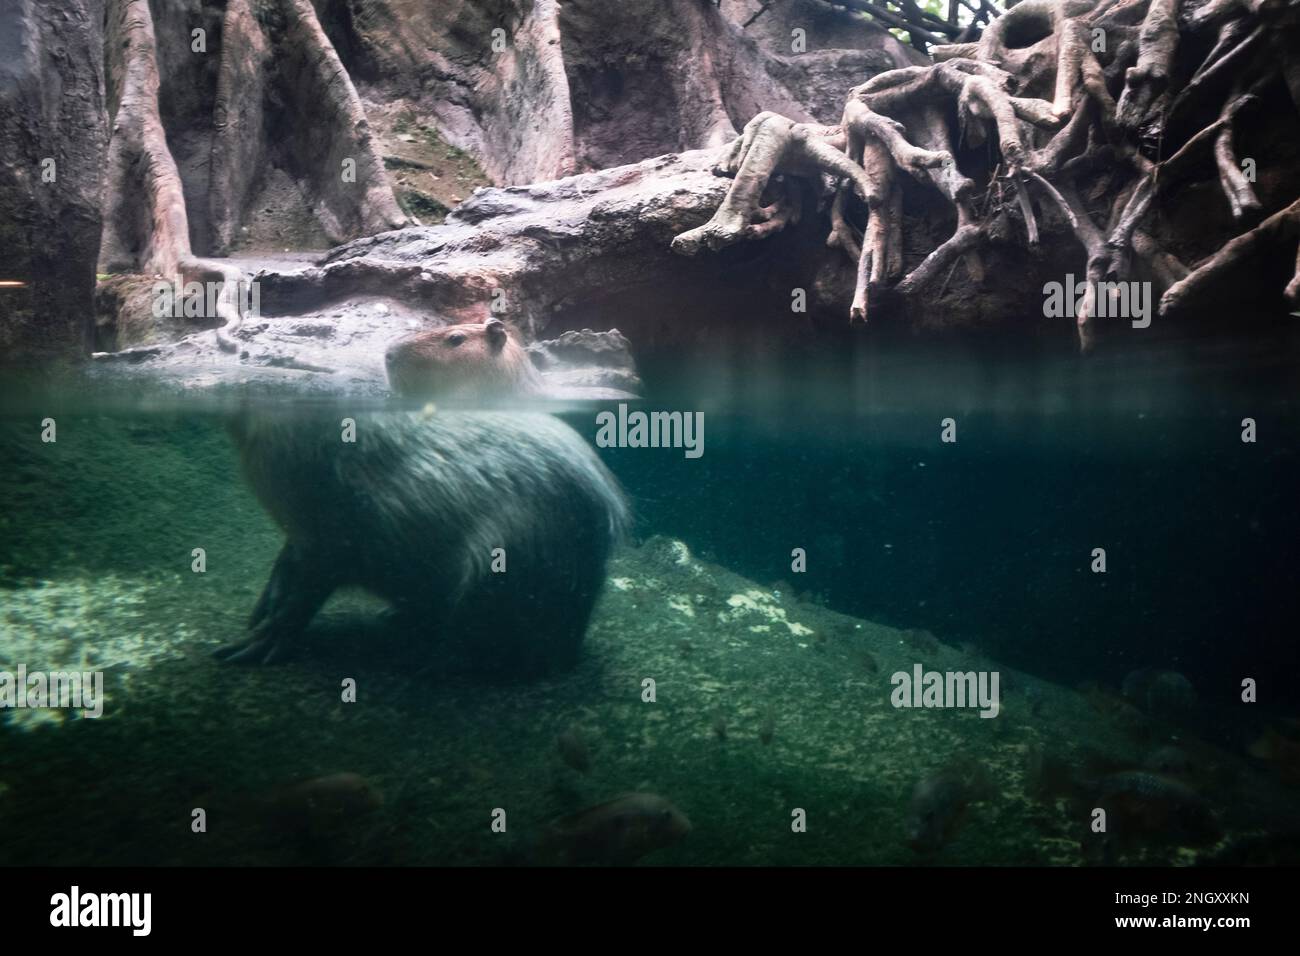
(496, 332)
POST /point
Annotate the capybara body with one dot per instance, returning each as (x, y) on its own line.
(414, 511)
(472, 364)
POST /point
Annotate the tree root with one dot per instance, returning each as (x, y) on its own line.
(1241, 196)
(325, 145)
(1149, 78)
(145, 222)
(146, 228)
(770, 144)
(901, 123)
(1279, 228)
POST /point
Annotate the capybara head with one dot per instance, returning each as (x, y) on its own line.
(472, 363)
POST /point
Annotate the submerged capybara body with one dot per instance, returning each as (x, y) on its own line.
(473, 363)
(414, 511)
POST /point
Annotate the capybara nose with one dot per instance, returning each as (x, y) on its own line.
(393, 354)
(397, 357)
(397, 363)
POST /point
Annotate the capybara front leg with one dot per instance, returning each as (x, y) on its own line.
(299, 585)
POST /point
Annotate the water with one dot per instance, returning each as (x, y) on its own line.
(772, 686)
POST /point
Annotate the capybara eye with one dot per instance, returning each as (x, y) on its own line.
(455, 340)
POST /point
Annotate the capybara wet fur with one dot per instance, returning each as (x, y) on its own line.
(466, 364)
(415, 509)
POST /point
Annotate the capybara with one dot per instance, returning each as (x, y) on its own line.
(467, 364)
(415, 510)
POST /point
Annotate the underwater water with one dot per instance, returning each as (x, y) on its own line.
(770, 719)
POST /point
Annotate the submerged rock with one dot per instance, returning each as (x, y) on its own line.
(618, 832)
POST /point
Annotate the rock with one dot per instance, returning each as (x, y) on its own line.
(584, 361)
(588, 84)
(52, 124)
(556, 251)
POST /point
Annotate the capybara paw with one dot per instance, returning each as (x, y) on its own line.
(262, 650)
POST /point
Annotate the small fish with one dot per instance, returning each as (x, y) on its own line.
(321, 804)
(618, 832)
(941, 801)
(868, 663)
(768, 729)
(1114, 707)
(1283, 752)
(1167, 695)
(720, 727)
(1142, 806)
(1170, 760)
(573, 750)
